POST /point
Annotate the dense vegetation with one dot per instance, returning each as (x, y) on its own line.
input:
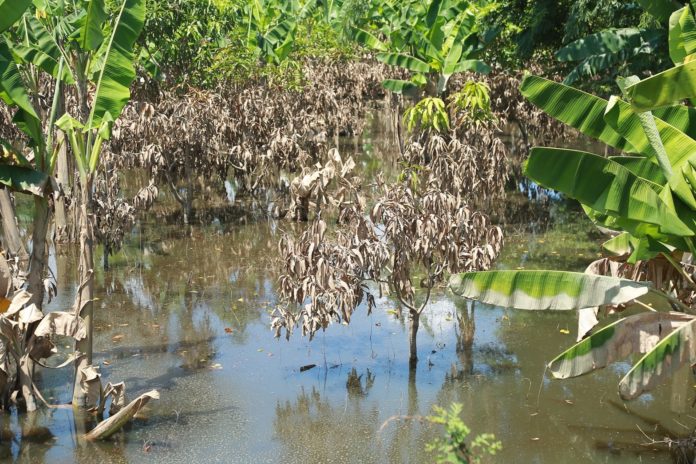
(251, 98)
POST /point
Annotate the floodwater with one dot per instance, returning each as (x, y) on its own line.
(185, 310)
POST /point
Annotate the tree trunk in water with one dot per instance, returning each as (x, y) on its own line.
(414, 322)
(11, 239)
(86, 295)
(63, 176)
(37, 261)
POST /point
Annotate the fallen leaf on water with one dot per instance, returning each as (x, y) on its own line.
(216, 366)
(568, 401)
(393, 312)
(307, 367)
(106, 363)
(228, 330)
(260, 350)
(564, 331)
(117, 338)
(536, 439)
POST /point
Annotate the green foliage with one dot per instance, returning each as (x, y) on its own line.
(649, 204)
(428, 114)
(454, 448)
(432, 40)
(474, 100)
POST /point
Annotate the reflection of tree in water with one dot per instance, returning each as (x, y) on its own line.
(312, 430)
(354, 384)
(465, 331)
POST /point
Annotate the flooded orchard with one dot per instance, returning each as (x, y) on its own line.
(187, 309)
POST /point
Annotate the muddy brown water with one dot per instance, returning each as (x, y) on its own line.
(186, 310)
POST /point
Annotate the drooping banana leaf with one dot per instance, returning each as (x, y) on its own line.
(617, 341)
(11, 11)
(539, 290)
(665, 88)
(676, 347)
(113, 86)
(404, 61)
(578, 109)
(604, 185)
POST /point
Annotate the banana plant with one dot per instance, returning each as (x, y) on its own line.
(432, 41)
(646, 196)
(271, 27)
(94, 48)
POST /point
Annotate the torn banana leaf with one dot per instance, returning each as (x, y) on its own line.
(536, 290)
(634, 334)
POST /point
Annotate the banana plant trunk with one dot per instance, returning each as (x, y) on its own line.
(11, 238)
(84, 305)
(37, 260)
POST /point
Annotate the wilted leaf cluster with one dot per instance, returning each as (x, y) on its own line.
(405, 234)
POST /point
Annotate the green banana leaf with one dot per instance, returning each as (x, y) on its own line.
(665, 88)
(619, 245)
(90, 35)
(404, 61)
(478, 66)
(641, 167)
(23, 179)
(574, 107)
(687, 28)
(681, 117)
(673, 351)
(42, 50)
(677, 52)
(617, 341)
(13, 86)
(11, 11)
(113, 86)
(399, 86)
(539, 290)
(366, 39)
(604, 185)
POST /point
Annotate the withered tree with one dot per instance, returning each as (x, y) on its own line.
(409, 241)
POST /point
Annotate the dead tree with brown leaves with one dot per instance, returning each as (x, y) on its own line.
(405, 245)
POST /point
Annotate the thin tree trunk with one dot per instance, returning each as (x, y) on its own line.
(86, 295)
(37, 261)
(11, 238)
(414, 322)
